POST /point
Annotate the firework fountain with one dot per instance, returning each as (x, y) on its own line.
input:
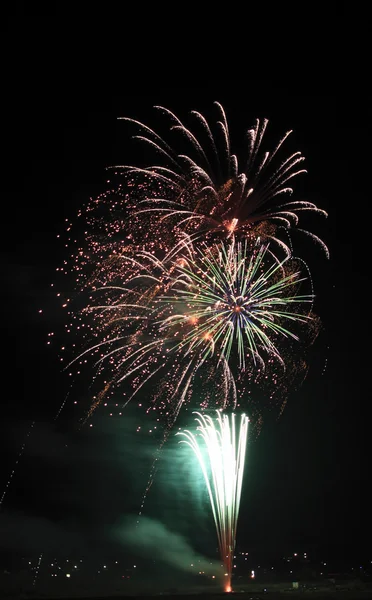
(221, 455)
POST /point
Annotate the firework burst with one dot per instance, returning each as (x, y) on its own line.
(207, 190)
(233, 299)
(224, 307)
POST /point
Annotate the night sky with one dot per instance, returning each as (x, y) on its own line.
(307, 482)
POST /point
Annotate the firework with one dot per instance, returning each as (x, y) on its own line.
(190, 285)
(162, 266)
(206, 189)
(223, 307)
(167, 255)
(221, 455)
(231, 298)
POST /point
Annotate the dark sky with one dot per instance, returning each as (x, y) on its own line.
(308, 480)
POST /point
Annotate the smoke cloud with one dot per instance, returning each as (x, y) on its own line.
(150, 538)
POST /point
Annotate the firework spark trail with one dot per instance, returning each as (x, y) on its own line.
(19, 456)
(221, 455)
(37, 570)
